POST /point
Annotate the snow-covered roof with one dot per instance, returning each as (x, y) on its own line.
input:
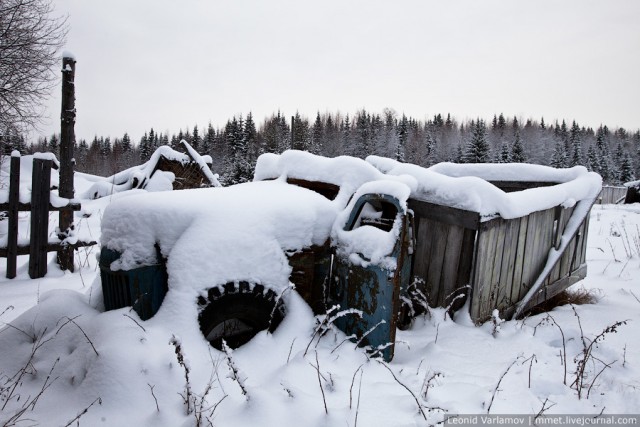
(348, 173)
(460, 186)
(467, 187)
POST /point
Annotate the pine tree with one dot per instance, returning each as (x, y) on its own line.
(503, 156)
(300, 133)
(145, 148)
(403, 134)
(127, 150)
(517, 150)
(575, 140)
(54, 144)
(592, 159)
(477, 150)
(317, 135)
(196, 140)
(559, 157)
(249, 133)
(208, 140)
(626, 169)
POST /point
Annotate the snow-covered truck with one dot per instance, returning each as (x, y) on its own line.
(377, 240)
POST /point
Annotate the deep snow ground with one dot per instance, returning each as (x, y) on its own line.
(55, 337)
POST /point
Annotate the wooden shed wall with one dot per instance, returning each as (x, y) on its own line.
(511, 254)
(443, 255)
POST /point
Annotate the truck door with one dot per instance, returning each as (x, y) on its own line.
(371, 268)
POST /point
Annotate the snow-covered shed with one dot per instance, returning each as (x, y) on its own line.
(506, 236)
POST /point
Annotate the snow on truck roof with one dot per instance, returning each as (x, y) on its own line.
(212, 236)
(460, 186)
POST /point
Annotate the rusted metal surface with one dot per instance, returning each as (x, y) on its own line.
(372, 289)
(311, 274)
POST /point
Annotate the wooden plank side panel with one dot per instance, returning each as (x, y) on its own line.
(531, 245)
(422, 254)
(451, 264)
(547, 241)
(436, 261)
(494, 295)
(518, 268)
(509, 251)
(585, 238)
(485, 254)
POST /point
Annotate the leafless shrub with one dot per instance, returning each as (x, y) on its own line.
(326, 323)
(187, 396)
(586, 357)
(427, 384)
(550, 319)
(579, 296)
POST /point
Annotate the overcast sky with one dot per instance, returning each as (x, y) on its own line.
(171, 64)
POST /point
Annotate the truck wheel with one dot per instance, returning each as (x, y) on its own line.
(237, 312)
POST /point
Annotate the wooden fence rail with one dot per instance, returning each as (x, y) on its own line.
(612, 195)
(39, 207)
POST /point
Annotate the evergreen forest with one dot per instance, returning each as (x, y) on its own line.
(234, 149)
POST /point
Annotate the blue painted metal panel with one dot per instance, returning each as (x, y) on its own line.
(374, 289)
(142, 288)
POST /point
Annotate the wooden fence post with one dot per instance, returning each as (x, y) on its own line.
(40, 194)
(67, 136)
(12, 232)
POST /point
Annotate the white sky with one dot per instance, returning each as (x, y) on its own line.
(172, 64)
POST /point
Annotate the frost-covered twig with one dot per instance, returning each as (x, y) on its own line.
(276, 307)
(72, 320)
(328, 320)
(324, 399)
(175, 341)
(84, 411)
(290, 349)
(564, 346)
(135, 321)
(495, 390)
(29, 403)
(151, 387)
(10, 307)
(355, 422)
(235, 372)
(426, 384)
(405, 387)
(587, 354)
(352, 381)
(543, 410)
(382, 322)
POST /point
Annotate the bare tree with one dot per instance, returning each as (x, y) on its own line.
(30, 37)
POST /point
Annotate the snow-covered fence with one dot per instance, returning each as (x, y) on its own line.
(40, 206)
(612, 195)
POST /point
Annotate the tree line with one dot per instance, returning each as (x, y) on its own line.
(234, 148)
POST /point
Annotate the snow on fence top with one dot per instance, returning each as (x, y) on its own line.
(459, 186)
